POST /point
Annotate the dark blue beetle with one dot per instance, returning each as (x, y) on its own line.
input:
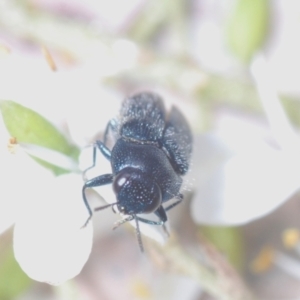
(151, 153)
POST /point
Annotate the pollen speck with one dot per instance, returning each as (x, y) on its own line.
(49, 59)
(263, 261)
(140, 290)
(290, 237)
(12, 145)
(4, 50)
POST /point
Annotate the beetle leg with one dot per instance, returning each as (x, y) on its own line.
(138, 232)
(179, 197)
(105, 152)
(112, 124)
(94, 182)
(93, 165)
(161, 213)
(150, 222)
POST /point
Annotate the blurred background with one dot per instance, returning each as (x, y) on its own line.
(59, 57)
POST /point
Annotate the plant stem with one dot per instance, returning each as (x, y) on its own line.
(215, 275)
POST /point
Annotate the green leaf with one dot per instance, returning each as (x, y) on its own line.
(228, 240)
(55, 169)
(13, 281)
(27, 126)
(247, 27)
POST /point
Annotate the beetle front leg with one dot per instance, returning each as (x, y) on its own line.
(160, 212)
(105, 152)
(112, 125)
(179, 200)
(94, 182)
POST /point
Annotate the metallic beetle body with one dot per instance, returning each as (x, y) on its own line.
(150, 160)
(152, 151)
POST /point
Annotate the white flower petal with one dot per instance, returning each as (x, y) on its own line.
(90, 116)
(51, 156)
(237, 189)
(281, 126)
(52, 92)
(49, 241)
(19, 175)
(91, 105)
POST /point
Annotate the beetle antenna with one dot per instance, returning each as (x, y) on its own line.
(122, 221)
(138, 232)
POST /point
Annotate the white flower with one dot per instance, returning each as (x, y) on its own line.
(237, 187)
(50, 242)
(74, 96)
(239, 175)
(52, 246)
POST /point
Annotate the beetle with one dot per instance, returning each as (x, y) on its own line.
(151, 153)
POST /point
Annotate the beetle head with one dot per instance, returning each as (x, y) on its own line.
(137, 193)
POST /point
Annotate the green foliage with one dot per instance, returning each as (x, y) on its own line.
(27, 126)
(13, 280)
(228, 240)
(247, 27)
